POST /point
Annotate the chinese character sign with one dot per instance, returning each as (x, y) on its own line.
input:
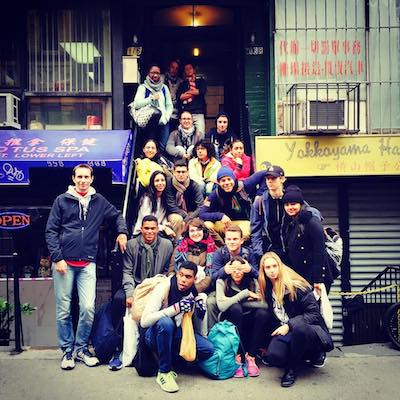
(321, 56)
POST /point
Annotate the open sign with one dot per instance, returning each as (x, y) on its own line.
(14, 220)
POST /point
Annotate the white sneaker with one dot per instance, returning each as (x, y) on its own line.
(87, 357)
(68, 361)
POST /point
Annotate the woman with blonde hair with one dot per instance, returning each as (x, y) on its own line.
(298, 331)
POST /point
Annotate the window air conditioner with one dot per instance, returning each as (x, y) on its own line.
(327, 114)
(9, 105)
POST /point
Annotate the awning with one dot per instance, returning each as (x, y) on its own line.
(23, 149)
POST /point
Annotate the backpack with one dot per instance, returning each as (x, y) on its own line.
(142, 293)
(105, 338)
(145, 361)
(334, 248)
(225, 339)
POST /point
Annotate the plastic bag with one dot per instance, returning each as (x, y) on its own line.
(131, 338)
(188, 342)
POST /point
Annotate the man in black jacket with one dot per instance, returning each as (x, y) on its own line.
(184, 197)
(72, 235)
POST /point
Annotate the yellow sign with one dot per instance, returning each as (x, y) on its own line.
(330, 155)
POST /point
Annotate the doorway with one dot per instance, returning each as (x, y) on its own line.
(166, 36)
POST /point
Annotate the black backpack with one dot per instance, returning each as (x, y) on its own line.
(145, 361)
(105, 338)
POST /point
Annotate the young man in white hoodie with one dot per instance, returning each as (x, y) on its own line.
(72, 235)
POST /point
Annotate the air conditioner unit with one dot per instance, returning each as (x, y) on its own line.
(327, 114)
(9, 106)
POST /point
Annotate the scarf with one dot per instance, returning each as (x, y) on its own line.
(146, 260)
(231, 198)
(83, 200)
(192, 85)
(180, 190)
(186, 135)
(187, 245)
(153, 87)
(175, 294)
(170, 78)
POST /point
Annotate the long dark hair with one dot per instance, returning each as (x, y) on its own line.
(206, 143)
(151, 192)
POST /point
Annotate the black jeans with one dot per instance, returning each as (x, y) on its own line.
(118, 308)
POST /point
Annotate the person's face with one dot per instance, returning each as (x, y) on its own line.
(271, 269)
(222, 124)
(82, 179)
(275, 183)
(226, 183)
(185, 279)
(237, 274)
(189, 70)
(149, 231)
(181, 174)
(186, 120)
(173, 68)
(150, 150)
(292, 209)
(196, 233)
(202, 153)
(233, 241)
(237, 149)
(154, 74)
(159, 183)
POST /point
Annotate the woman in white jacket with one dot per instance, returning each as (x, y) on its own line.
(153, 91)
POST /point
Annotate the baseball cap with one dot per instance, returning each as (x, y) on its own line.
(275, 171)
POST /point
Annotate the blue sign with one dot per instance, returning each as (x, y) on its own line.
(21, 150)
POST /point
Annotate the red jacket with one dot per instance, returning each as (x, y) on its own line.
(241, 171)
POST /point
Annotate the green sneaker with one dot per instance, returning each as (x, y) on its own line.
(167, 381)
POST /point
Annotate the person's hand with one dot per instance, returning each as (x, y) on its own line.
(186, 305)
(225, 220)
(186, 156)
(61, 267)
(318, 288)
(121, 240)
(129, 302)
(281, 331)
(254, 296)
(229, 267)
(245, 267)
(155, 96)
(169, 231)
(201, 308)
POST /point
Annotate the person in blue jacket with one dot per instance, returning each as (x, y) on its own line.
(72, 236)
(230, 203)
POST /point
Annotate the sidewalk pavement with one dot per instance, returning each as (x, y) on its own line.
(351, 373)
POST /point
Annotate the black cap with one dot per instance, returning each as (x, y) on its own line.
(293, 194)
(275, 171)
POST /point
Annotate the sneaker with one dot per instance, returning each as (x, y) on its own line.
(319, 362)
(252, 368)
(68, 361)
(167, 382)
(262, 357)
(87, 357)
(115, 363)
(239, 372)
(289, 378)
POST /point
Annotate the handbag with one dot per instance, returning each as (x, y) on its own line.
(143, 115)
(188, 343)
(131, 337)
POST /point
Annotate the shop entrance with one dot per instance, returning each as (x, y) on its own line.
(205, 36)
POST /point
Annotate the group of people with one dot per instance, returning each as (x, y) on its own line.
(249, 250)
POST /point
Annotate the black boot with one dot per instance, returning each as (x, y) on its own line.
(289, 378)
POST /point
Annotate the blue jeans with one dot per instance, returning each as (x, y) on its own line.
(163, 136)
(85, 279)
(165, 338)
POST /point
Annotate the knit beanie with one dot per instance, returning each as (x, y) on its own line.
(225, 171)
(293, 194)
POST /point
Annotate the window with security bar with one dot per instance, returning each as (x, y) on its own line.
(337, 61)
(69, 69)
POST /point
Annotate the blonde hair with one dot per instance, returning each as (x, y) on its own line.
(287, 280)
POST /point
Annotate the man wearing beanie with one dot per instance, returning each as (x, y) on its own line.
(230, 203)
(304, 239)
(267, 215)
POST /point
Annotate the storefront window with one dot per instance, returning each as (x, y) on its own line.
(9, 70)
(69, 55)
(384, 37)
(54, 113)
(319, 55)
